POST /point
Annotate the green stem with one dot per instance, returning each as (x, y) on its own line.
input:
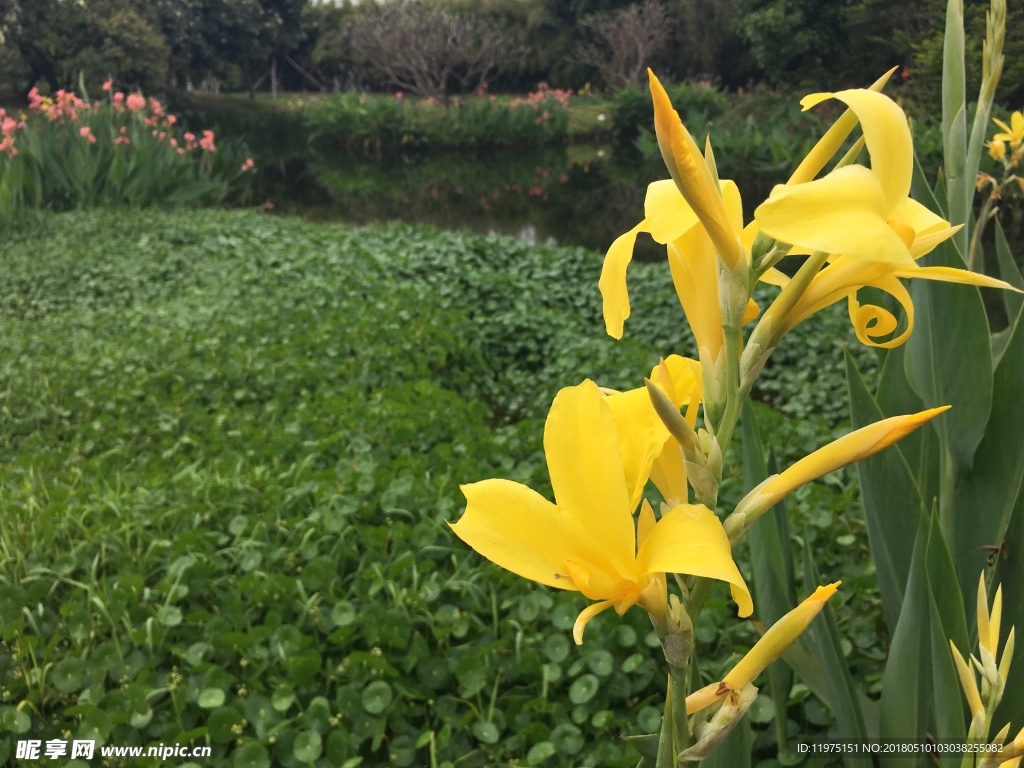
(680, 727)
(979, 227)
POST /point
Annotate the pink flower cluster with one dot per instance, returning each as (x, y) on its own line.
(8, 125)
(64, 105)
(541, 95)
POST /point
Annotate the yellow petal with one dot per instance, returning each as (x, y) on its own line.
(668, 215)
(613, 281)
(642, 436)
(831, 141)
(585, 616)
(521, 531)
(694, 266)
(844, 212)
(778, 638)
(585, 461)
(953, 275)
(872, 322)
(855, 446)
(668, 473)
(984, 630)
(887, 136)
(690, 539)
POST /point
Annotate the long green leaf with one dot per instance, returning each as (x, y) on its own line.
(735, 751)
(1009, 573)
(906, 684)
(896, 396)
(825, 643)
(959, 189)
(771, 558)
(985, 496)
(892, 503)
(1009, 272)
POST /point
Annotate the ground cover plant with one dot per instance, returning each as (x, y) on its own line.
(232, 445)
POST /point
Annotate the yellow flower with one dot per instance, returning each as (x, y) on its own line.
(855, 446)
(996, 149)
(863, 213)
(1014, 132)
(588, 541)
(865, 218)
(772, 644)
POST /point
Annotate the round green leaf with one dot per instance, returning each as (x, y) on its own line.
(251, 755)
(376, 697)
(567, 738)
(14, 720)
(70, 674)
(601, 663)
(343, 613)
(307, 746)
(169, 615)
(556, 647)
(540, 752)
(583, 689)
(282, 698)
(486, 732)
(211, 698)
(238, 525)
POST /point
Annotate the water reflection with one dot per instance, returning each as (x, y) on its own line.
(583, 196)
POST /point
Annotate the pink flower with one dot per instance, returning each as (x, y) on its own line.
(156, 107)
(86, 133)
(248, 165)
(190, 140)
(171, 119)
(9, 126)
(108, 84)
(207, 142)
(122, 141)
(136, 102)
(399, 95)
(119, 101)
(34, 99)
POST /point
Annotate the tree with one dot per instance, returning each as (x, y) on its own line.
(628, 39)
(422, 48)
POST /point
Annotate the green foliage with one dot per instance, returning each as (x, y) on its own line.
(350, 120)
(68, 153)
(234, 442)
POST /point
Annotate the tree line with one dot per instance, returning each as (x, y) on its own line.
(440, 47)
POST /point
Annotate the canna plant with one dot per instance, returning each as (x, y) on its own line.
(68, 152)
(850, 232)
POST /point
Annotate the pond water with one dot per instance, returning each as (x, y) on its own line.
(579, 195)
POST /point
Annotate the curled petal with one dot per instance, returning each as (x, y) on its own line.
(585, 616)
(668, 215)
(872, 322)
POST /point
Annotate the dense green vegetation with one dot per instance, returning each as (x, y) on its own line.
(232, 445)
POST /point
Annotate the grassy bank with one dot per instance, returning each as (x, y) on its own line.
(232, 443)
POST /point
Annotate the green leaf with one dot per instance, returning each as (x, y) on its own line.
(991, 485)
(1009, 573)
(251, 755)
(825, 643)
(308, 746)
(949, 360)
(735, 751)
(1009, 273)
(771, 558)
(892, 504)
(959, 189)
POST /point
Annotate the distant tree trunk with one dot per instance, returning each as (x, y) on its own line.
(273, 78)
